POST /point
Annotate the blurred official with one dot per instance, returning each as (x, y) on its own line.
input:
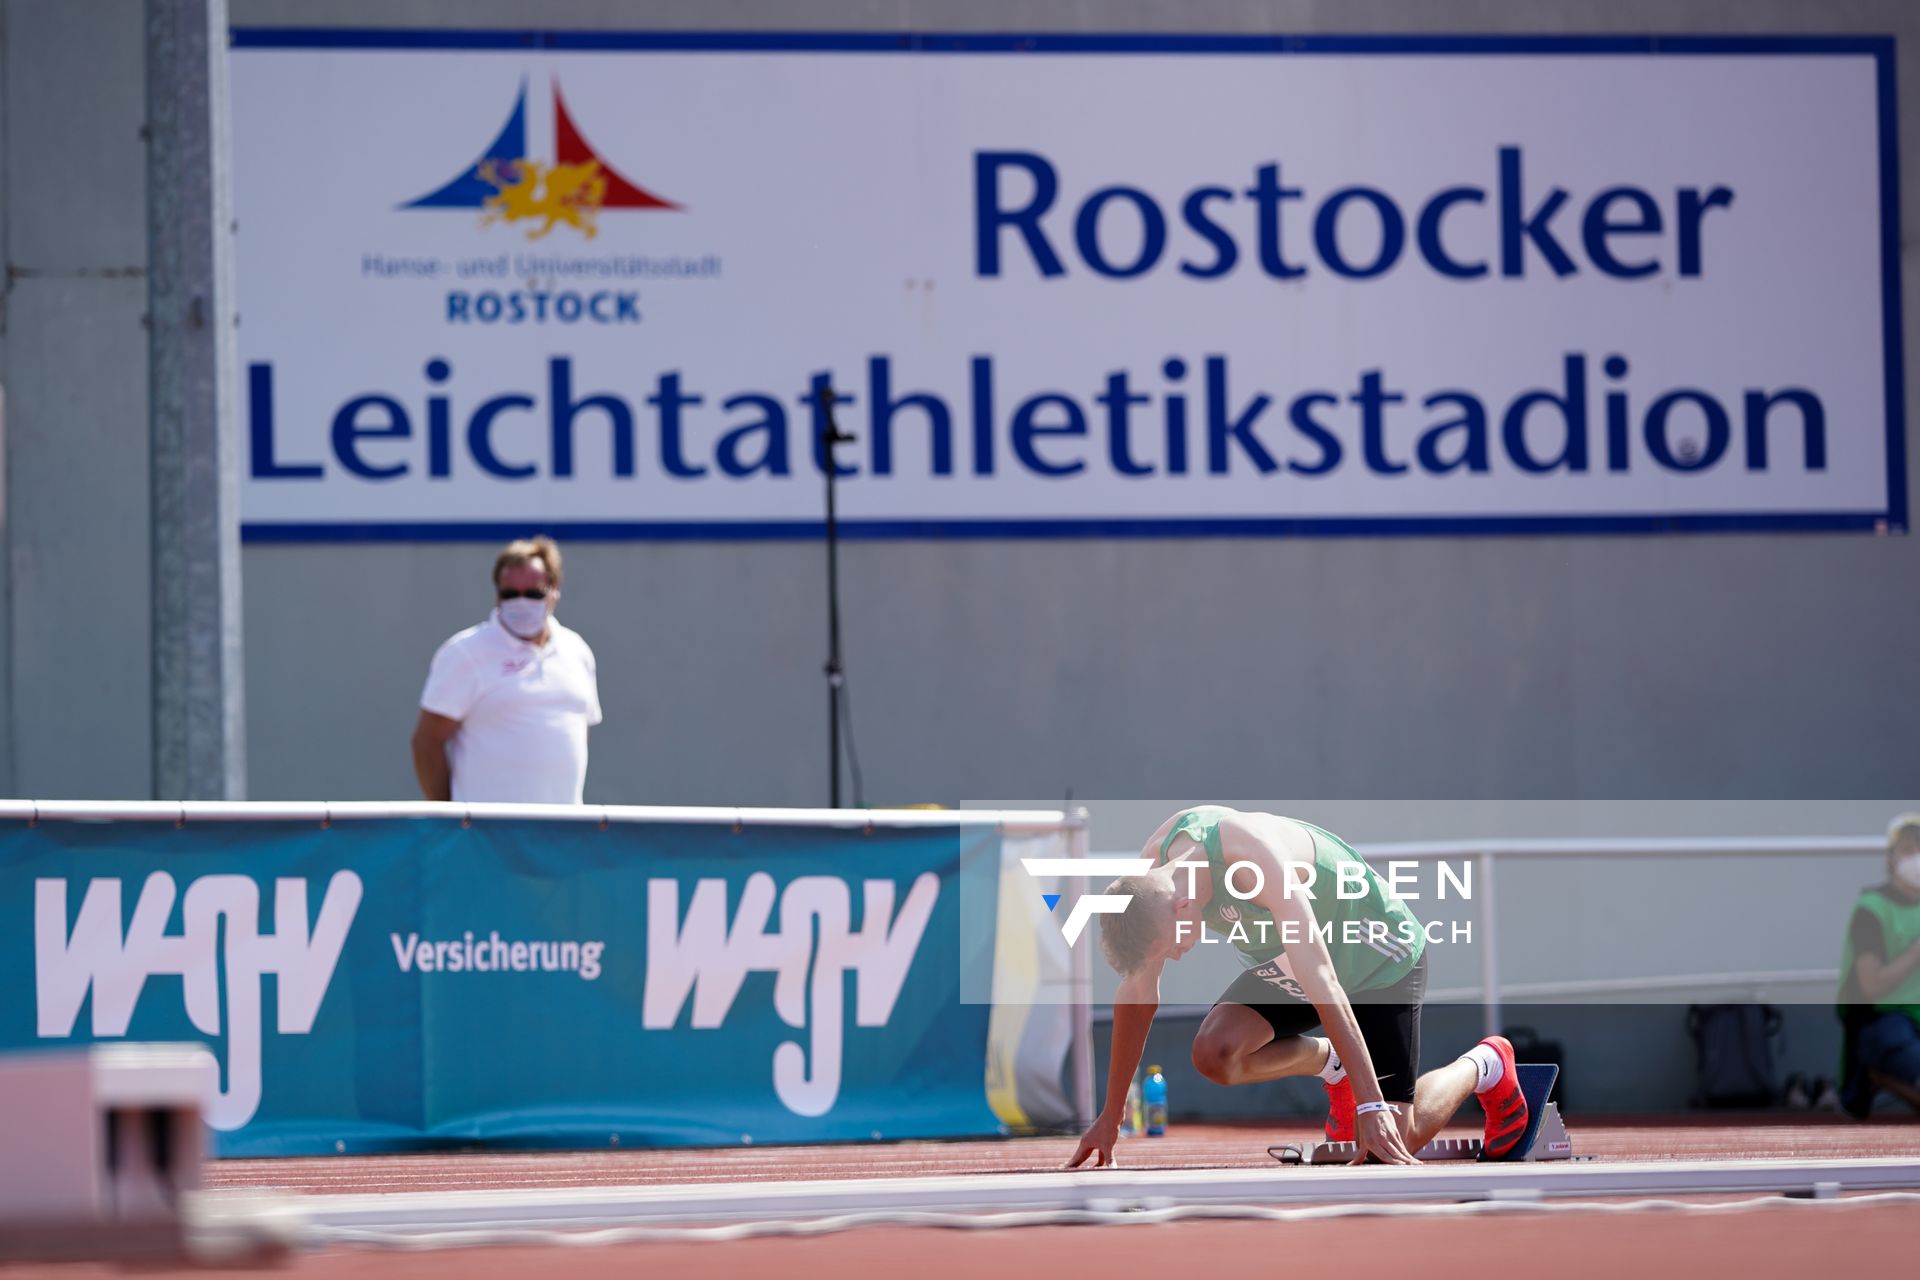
(508, 703)
(1880, 981)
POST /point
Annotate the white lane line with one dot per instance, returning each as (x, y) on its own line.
(1121, 1188)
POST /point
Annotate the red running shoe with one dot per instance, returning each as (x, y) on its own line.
(1340, 1110)
(1505, 1105)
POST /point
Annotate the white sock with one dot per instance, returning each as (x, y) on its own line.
(1333, 1072)
(1487, 1063)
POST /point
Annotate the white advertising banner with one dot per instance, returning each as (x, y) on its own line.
(493, 282)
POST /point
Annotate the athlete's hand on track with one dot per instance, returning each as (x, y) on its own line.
(1098, 1143)
(1378, 1133)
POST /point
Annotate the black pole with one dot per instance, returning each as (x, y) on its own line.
(836, 677)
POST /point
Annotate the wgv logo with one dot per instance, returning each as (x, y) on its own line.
(116, 965)
(706, 956)
(510, 185)
(1087, 905)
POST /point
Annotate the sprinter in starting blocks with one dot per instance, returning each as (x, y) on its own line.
(1545, 1137)
(1325, 944)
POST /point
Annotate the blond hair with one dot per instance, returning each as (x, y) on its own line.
(1127, 938)
(525, 551)
(1900, 826)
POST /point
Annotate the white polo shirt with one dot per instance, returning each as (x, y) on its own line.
(523, 710)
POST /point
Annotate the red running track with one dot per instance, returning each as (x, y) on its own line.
(1784, 1243)
(1186, 1147)
(1774, 1244)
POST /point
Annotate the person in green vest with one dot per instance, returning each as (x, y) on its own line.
(1880, 981)
(1324, 943)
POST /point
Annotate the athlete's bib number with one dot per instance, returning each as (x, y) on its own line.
(1274, 973)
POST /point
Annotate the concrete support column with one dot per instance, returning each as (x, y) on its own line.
(199, 747)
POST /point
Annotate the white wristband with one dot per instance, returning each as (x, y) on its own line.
(1367, 1108)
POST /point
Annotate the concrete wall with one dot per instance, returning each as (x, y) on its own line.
(1631, 666)
(73, 357)
(1697, 666)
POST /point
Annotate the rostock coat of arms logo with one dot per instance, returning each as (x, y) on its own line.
(508, 185)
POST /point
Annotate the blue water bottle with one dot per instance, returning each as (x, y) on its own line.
(1154, 1094)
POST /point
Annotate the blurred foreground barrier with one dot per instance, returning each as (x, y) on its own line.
(99, 1147)
(377, 977)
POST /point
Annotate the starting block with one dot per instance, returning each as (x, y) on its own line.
(1545, 1139)
(100, 1145)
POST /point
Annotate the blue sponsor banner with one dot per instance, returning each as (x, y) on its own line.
(399, 983)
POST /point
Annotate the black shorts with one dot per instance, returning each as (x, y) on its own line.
(1389, 1021)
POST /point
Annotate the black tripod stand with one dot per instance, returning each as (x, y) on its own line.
(831, 435)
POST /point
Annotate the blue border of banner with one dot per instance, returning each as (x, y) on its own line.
(1880, 48)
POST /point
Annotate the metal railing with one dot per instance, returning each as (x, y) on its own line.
(181, 812)
(1485, 855)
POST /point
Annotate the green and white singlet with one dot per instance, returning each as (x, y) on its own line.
(1374, 942)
